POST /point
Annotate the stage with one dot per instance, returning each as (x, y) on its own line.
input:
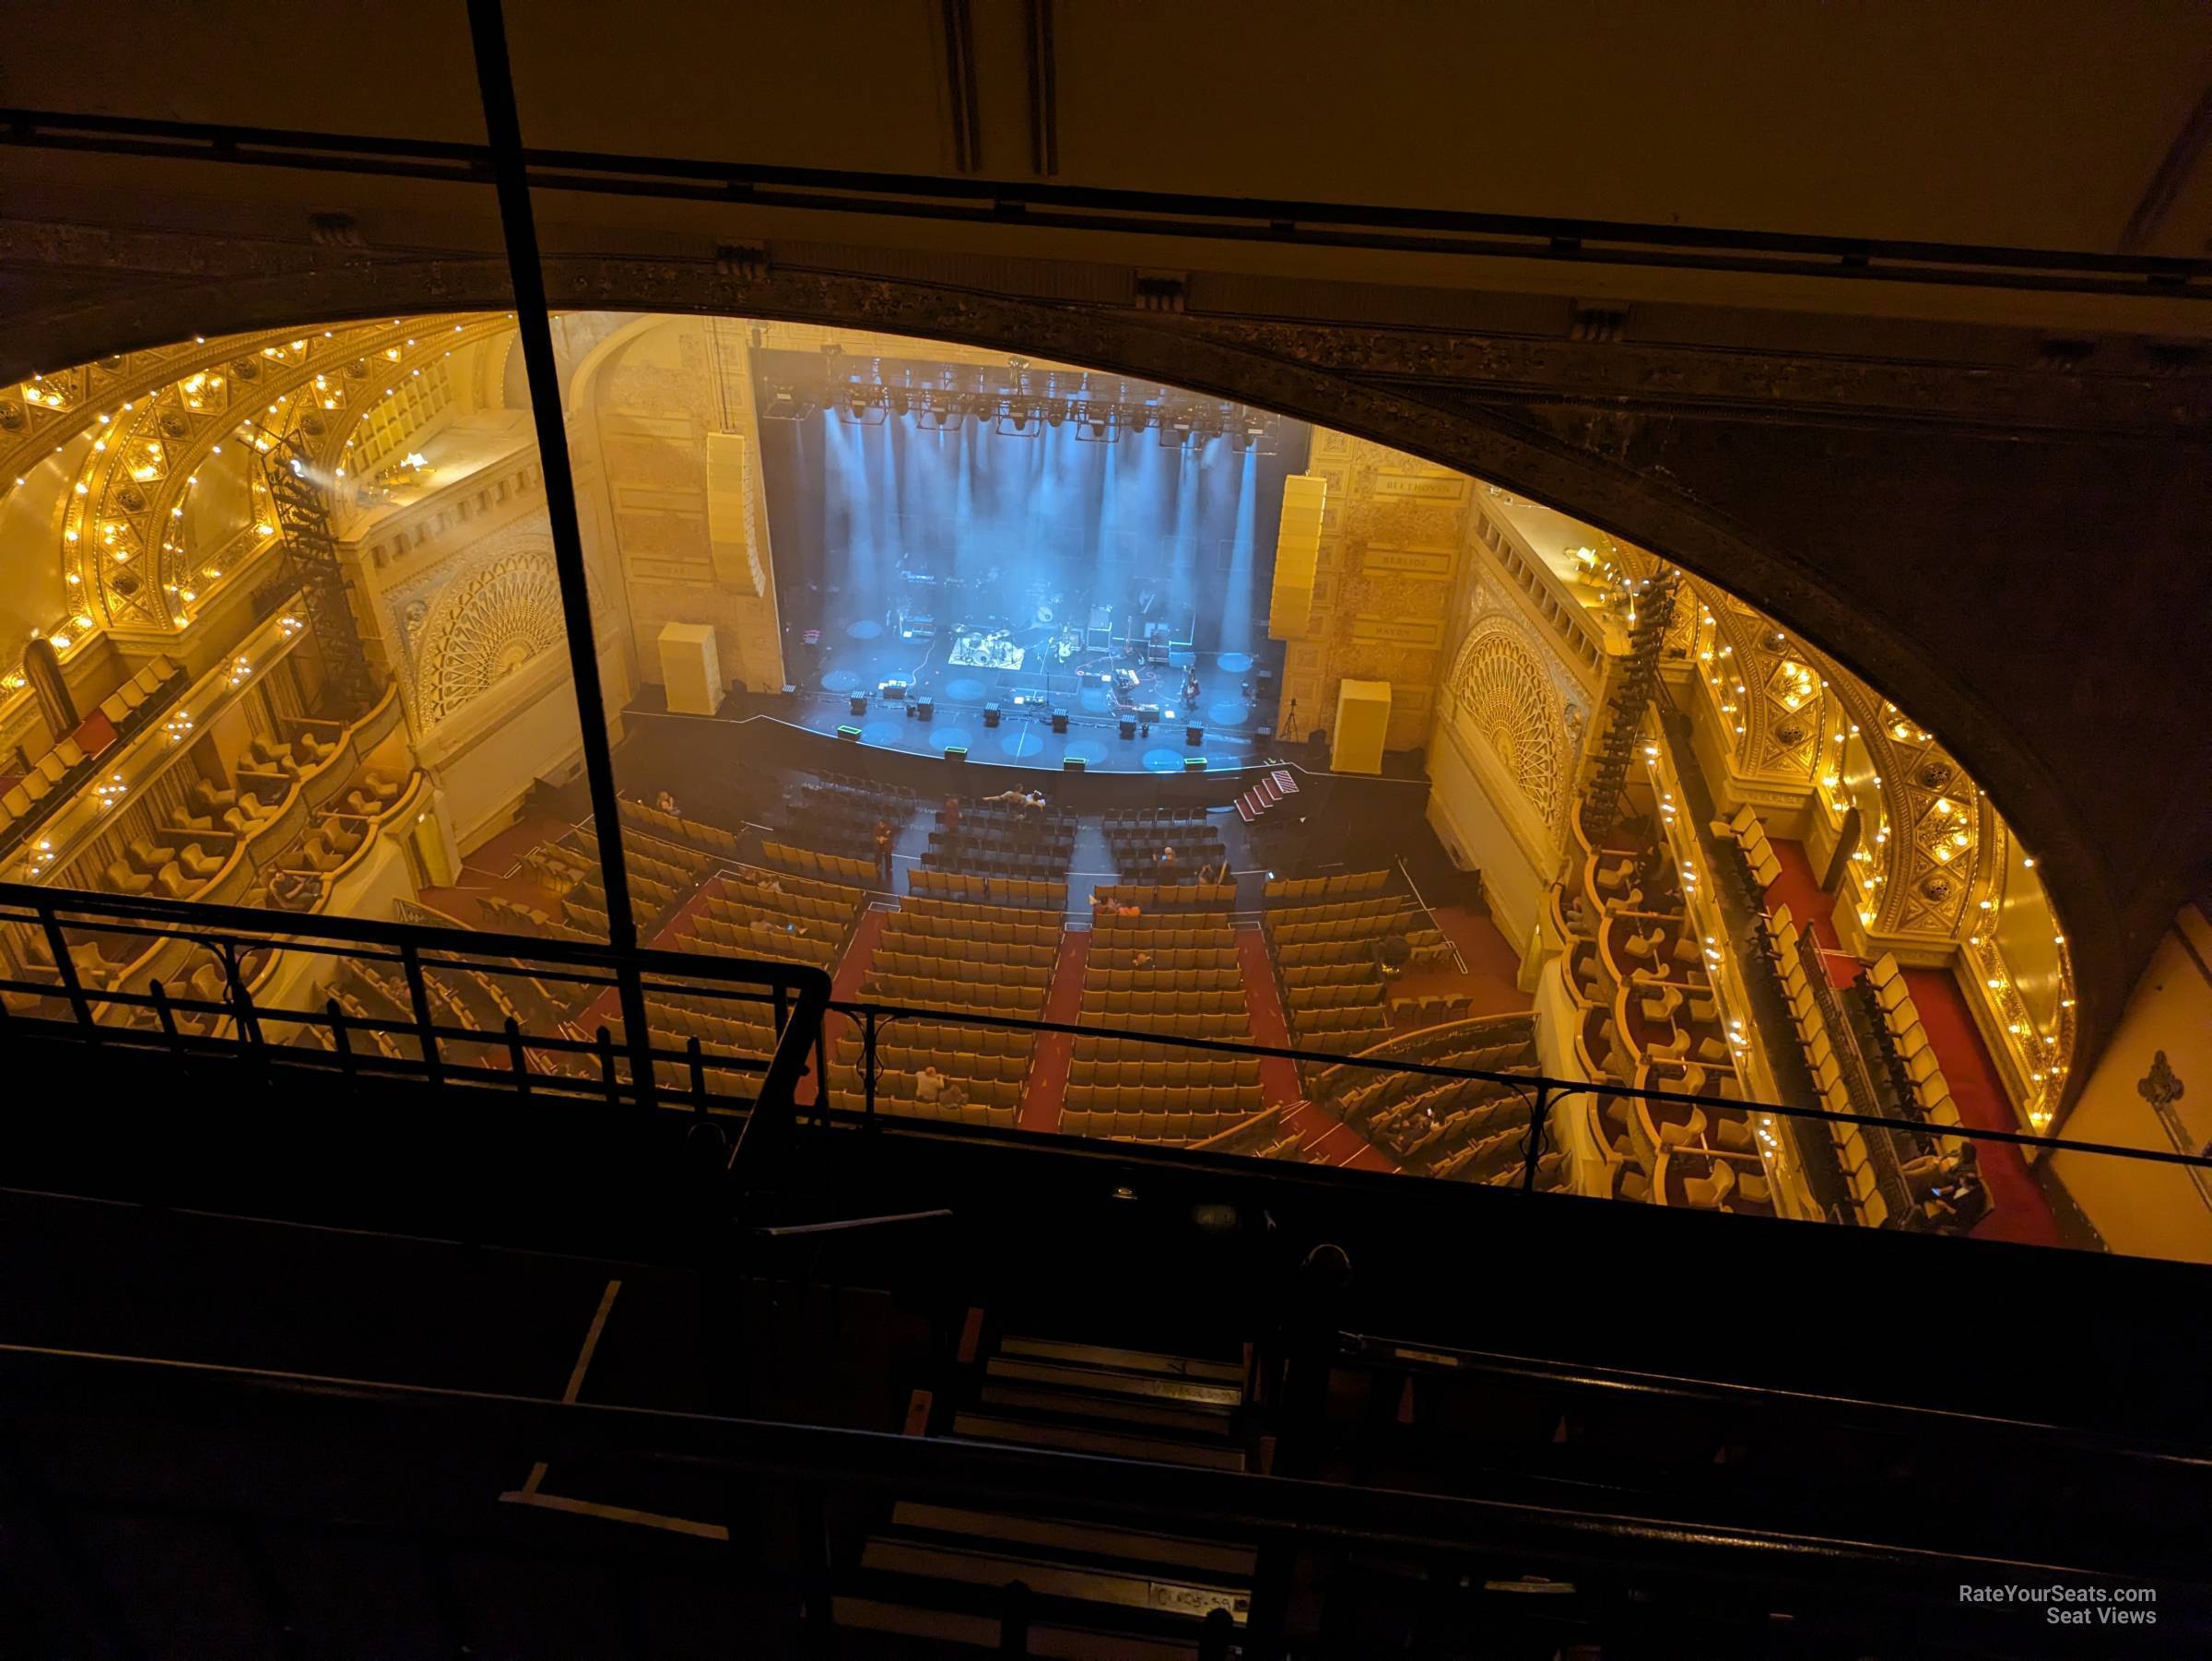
(1103, 550)
(1097, 690)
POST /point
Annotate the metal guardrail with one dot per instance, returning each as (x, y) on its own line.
(624, 1073)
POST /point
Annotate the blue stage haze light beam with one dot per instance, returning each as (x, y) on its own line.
(1025, 521)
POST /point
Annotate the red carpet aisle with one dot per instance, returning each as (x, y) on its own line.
(1328, 1140)
(1048, 1074)
(2020, 1210)
(1799, 888)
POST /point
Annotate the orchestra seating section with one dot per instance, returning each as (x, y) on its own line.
(1175, 973)
(754, 914)
(951, 955)
(1469, 1130)
(1023, 891)
(1333, 964)
(1155, 897)
(836, 813)
(984, 1069)
(998, 839)
(728, 1028)
(959, 957)
(638, 819)
(806, 862)
(1136, 842)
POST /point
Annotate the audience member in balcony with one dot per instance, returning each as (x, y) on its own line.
(665, 803)
(1166, 861)
(882, 851)
(948, 816)
(1958, 1205)
(929, 1084)
(1142, 961)
(1930, 1174)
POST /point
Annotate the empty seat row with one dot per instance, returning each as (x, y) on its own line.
(1306, 889)
(1300, 891)
(1096, 979)
(1189, 1068)
(1234, 1099)
(1026, 890)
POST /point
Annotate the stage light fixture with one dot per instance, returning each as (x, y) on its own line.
(786, 404)
(1018, 423)
(858, 408)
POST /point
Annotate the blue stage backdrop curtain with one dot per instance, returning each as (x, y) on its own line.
(1025, 521)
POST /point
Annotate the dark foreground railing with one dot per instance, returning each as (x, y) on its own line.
(577, 1056)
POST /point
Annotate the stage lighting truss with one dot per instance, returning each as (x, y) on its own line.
(1181, 419)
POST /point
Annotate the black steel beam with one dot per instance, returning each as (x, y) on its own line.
(1598, 242)
(533, 319)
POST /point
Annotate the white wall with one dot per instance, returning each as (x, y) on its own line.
(1466, 816)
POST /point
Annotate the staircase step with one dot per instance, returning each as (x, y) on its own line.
(1154, 1386)
(1286, 782)
(1126, 1360)
(1033, 1402)
(999, 1427)
(1203, 1558)
(1048, 1577)
(980, 1632)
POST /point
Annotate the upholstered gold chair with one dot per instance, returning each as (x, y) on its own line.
(121, 877)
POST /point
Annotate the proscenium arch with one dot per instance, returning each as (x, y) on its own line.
(2112, 930)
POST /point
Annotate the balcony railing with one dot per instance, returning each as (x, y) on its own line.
(238, 1007)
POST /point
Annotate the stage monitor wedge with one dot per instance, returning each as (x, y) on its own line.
(1296, 554)
(733, 525)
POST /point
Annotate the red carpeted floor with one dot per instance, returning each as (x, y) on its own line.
(2018, 1211)
(1493, 966)
(1799, 888)
(1048, 1073)
(1325, 1138)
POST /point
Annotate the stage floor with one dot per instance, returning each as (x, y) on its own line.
(860, 656)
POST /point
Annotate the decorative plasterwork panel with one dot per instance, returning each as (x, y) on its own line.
(1501, 687)
(478, 619)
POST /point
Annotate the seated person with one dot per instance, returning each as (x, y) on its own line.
(1167, 858)
(1142, 961)
(929, 1084)
(1930, 1171)
(665, 803)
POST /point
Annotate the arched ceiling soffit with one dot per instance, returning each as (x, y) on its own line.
(2124, 868)
(118, 549)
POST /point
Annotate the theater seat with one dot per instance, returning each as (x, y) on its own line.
(122, 878)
